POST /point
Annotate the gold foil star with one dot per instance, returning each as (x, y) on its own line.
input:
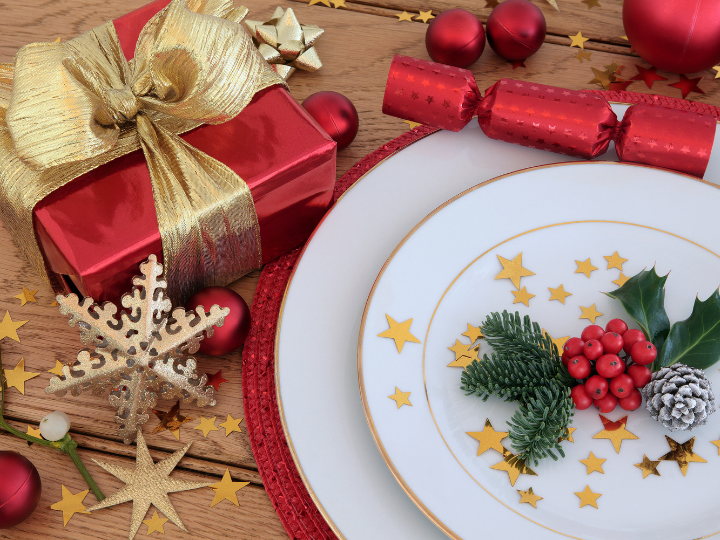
(717, 443)
(400, 332)
(33, 433)
(621, 280)
(231, 424)
(473, 332)
(529, 497)
(513, 465)
(583, 55)
(323, 2)
(522, 296)
(559, 343)
(585, 267)
(171, 420)
(26, 296)
(559, 294)
(489, 438)
(401, 398)
(590, 313)
(578, 40)
(412, 124)
(57, 370)
(146, 484)
(207, 425)
(587, 497)
(424, 16)
(602, 78)
(460, 349)
(569, 437)
(615, 432)
(593, 464)
(648, 467)
(155, 524)
(339, 3)
(404, 16)
(682, 454)
(8, 327)
(226, 490)
(513, 270)
(70, 504)
(465, 360)
(717, 71)
(16, 377)
(615, 261)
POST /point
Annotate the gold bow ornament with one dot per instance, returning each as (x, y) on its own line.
(67, 108)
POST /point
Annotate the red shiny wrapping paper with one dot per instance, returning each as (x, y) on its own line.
(580, 124)
(99, 227)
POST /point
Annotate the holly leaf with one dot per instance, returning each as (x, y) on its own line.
(695, 341)
(643, 297)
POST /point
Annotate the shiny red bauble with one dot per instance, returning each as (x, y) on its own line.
(336, 115)
(672, 35)
(232, 334)
(20, 489)
(456, 38)
(516, 29)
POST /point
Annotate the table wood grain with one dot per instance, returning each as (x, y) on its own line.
(359, 42)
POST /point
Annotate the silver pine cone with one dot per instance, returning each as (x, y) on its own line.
(679, 397)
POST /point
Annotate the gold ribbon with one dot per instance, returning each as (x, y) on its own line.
(67, 108)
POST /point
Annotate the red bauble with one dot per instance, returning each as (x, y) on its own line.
(20, 489)
(675, 36)
(456, 38)
(232, 334)
(336, 115)
(516, 29)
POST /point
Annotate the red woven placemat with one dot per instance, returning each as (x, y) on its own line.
(288, 494)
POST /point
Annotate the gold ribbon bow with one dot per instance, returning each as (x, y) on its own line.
(67, 108)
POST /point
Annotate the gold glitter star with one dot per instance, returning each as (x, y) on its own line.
(585, 267)
(621, 280)
(8, 327)
(16, 377)
(513, 270)
(146, 484)
(488, 438)
(424, 16)
(522, 297)
(578, 40)
(593, 464)
(171, 420)
(559, 294)
(682, 454)
(207, 425)
(26, 296)
(57, 370)
(513, 465)
(717, 71)
(473, 332)
(323, 2)
(70, 504)
(591, 3)
(590, 313)
(529, 497)
(231, 424)
(559, 343)
(615, 432)
(583, 55)
(615, 261)
(587, 497)
(401, 398)
(339, 3)
(404, 16)
(155, 524)
(412, 124)
(400, 332)
(648, 467)
(226, 489)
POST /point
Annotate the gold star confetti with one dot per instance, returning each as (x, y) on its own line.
(57, 370)
(400, 332)
(553, 3)
(615, 432)
(621, 280)
(513, 465)
(339, 3)
(593, 464)
(513, 270)
(55, 303)
(155, 524)
(207, 425)
(717, 443)
(412, 124)
(578, 40)
(33, 433)
(26, 296)
(401, 398)
(682, 454)
(226, 490)
(615, 261)
(717, 71)
(488, 438)
(424, 16)
(16, 377)
(590, 313)
(587, 497)
(464, 354)
(522, 296)
(529, 497)
(559, 343)
(70, 504)
(404, 16)
(323, 2)
(8, 327)
(171, 420)
(460, 349)
(583, 55)
(648, 467)
(569, 437)
(146, 484)
(559, 294)
(585, 267)
(591, 3)
(602, 78)
(473, 332)
(231, 424)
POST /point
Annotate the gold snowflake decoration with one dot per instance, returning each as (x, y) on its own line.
(143, 355)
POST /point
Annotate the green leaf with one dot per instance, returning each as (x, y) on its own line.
(695, 341)
(643, 297)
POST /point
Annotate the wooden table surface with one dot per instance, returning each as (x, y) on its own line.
(359, 42)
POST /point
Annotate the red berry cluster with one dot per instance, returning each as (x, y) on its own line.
(607, 379)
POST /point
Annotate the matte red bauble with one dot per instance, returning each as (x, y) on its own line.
(20, 489)
(456, 38)
(516, 29)
(680, 36)
(336, 115)
(232, 334)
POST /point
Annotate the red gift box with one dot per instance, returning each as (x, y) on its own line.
(95, 230)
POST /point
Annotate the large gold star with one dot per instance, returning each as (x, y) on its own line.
(71, 504)
(585, 267)
(529, 497)
(401, 398)
(171, 420)
(522, 296)
(464, 354)
(615, 261)
(578, 40)
(207, 425)
(231, 425)
(26, 296)
(513, 465)
(587, 497)
(226, 490)
(590, 313)
(513, 270)
(404, 16)
(400, 332)
(648, 466)
(473, 332)
(16, 377)
(615, 432)
(146, 484)
(593, 464)
(559, 343)
(155, 524)
(621, 280)
(488, 438)
(8, 327)
(424, 16)
(559, 294)
(682, 454)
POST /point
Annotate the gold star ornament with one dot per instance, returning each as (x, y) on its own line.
(231, 425)
(590, 313)
(587, 497)
(529, 497)
(8, 327)
(16, 377)
(615, 432)
(401, 398)
(71, 504)
(513, 270)
(155, 524)
(489, 438)
(513, 465)
(171, 420)
(522, 297)
(26, 296)
(559, 294)
(400, 332)
(578, 40)
(226, 490)
(593, 464)
(682, 454)
(648, 466)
